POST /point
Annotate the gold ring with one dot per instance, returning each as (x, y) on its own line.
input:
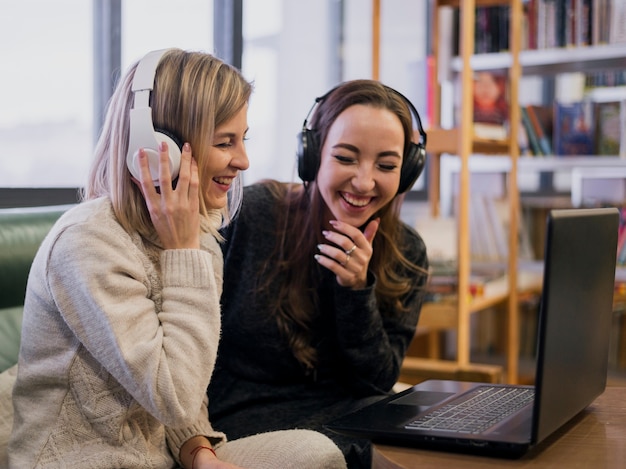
(350, 251)
(347, 259)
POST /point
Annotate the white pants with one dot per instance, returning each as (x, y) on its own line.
(285, 449)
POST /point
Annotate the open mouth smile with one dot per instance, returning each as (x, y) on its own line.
(355, 201)
(224, 180)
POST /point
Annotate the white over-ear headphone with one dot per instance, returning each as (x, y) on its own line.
(142, 131)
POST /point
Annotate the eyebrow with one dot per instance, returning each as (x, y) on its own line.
(390, 153)
(354, 149)
(229, 134)
(347, 146)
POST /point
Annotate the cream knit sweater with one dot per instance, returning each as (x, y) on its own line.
(119, 341)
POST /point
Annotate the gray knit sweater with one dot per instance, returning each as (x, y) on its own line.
(118, 345)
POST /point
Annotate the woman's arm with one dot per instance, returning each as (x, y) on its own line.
(149, 329)
(196, 452)
(374, 344)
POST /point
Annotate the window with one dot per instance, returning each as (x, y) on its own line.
(46, 116)
(294, 51)
(46, 94)
(158, 24)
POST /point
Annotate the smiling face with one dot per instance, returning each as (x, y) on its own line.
(225, 158)
(360, 163)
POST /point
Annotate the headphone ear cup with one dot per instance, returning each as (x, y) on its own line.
(174, 149)
(307, 155)
(142, 133)
(412, 166)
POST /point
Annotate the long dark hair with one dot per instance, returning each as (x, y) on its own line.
(296, 303)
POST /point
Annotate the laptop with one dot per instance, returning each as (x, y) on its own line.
(572, 358)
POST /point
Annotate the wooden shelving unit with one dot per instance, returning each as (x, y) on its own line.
(462, 142)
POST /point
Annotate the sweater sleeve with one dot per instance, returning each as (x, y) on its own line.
(155, 332)
(373, 342)
(176, 437)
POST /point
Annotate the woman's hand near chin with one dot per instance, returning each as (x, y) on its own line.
(349, 255)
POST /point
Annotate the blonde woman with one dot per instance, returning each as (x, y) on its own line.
(122, 310)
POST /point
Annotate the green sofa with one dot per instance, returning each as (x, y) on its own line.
(21, 233)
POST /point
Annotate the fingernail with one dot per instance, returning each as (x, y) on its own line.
(320, 247)
(325, 233)
(187, 147)
(162, 146)
(333, 222)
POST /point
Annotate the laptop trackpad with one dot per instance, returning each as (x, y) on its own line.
(422, 398)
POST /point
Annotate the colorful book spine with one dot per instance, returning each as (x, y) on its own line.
(533, 143)
(542, 138)
(573, 129)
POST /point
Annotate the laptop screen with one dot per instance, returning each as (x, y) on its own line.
(579, 280)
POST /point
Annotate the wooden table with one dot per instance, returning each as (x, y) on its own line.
(594, 439)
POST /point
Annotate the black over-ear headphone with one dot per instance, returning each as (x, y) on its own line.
(308, 152)
(142, 131)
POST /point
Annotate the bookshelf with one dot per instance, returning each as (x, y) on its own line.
(461, 142)
(552, 61)
(579, 169)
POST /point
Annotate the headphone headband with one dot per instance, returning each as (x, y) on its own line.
(142, 131)
(412, 109)
(146, 70)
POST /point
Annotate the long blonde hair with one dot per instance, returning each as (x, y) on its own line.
(193, 93)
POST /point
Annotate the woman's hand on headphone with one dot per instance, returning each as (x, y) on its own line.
(349, 255)
(175, 212)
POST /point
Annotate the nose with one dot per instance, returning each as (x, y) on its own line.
(240, 159)
(363, 180)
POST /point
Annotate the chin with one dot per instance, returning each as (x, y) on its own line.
(354, 220)
(215, 203)
(215, 206)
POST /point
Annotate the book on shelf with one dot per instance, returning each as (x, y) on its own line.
(489, 226)
(483, 245)
(531, 137)
(443, 280)
(610, 128)
(610, 113)
(541, 124)
(574, 129)
(582, 23)
(491, 105)
(537, 123)
(574, 23)
(550, 24)
(617, 26)
(492, 29)
(522, 140)
(491, 32)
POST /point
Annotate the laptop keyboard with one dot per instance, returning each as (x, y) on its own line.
(476, 411)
